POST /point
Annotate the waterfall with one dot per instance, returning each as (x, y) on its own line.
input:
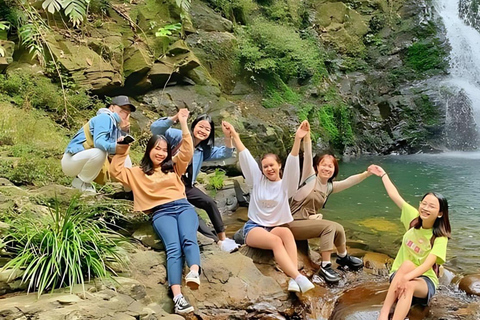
(465, 54)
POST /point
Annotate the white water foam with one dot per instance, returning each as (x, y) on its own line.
(465, 53)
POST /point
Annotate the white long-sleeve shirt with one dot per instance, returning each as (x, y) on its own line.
(269, 199)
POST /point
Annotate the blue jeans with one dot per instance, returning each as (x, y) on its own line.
(176, 223)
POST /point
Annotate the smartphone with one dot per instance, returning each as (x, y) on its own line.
(127, 139)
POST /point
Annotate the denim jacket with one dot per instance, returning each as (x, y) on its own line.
(174, 136)
(105, 132)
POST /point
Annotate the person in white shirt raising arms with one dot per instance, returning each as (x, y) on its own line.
(268, 210)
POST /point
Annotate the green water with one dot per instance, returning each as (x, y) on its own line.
(369, 215)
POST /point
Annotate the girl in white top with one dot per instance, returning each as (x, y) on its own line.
(268, 209)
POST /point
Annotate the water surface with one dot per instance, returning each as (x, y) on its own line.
(369, 215)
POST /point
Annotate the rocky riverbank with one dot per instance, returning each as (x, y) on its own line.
(241, 285)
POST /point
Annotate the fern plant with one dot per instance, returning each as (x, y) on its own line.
(3, 26)
(66, 248)
(75, 10)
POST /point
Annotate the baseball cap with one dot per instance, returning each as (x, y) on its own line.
(123, 101)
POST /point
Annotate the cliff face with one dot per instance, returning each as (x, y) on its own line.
(360, 71)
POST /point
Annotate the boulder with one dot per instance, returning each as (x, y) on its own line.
(470, 284)
(87, 68)
(206, 19)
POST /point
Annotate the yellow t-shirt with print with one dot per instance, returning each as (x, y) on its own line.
(416, 244)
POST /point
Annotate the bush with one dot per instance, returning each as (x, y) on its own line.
(215, 181)
(273, 50)
(63, 249)
(33, 90)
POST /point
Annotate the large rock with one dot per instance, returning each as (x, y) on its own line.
(470, 284)
(204, 18)
(87, 68)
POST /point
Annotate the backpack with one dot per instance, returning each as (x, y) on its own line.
(103, 175)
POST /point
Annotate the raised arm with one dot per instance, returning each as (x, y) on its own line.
(389, 186)
(350, 181)
(228, 128)
(117, 166)
(161, 126)
(185, 153)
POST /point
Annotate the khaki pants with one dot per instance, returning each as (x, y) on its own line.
(331, 233)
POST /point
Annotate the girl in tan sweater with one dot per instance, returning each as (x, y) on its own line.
(158, 190)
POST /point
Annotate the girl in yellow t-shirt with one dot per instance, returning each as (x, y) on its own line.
(424, 246)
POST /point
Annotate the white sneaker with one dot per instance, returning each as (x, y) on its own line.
(88, 187)
(77, 183)
(193, 280)
(293, 286)
(229, 245)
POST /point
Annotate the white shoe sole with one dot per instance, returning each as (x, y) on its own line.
(188, 310)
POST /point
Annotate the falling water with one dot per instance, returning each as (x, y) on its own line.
(464, 56)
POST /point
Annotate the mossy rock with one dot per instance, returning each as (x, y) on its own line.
(150, 15)
(341, 26)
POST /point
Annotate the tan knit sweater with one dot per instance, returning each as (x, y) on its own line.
(158, 188)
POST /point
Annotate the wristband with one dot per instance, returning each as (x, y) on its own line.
(383, 175)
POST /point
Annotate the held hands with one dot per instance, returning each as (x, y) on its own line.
(228, 129)
(376, 170)
(303, 130)
(182, 116)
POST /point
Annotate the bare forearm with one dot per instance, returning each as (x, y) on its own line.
(296, 147)
(421, 269)
(392, 191)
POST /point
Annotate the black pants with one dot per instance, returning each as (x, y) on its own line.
(202, 201)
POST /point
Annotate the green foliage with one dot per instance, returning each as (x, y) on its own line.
(3, 26)
(31, 145)
(168, 34)
(75, 10)
(65, 248)
(215, 181)
(270, 50)
(169, 30)
(278, 93)
(424, 56)
(31, 38)
(334, 119)
(336, 122)
(33, 90)
(33, 171)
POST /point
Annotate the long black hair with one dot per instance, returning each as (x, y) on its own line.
(210, 141)
(441, 226)
(147, 165)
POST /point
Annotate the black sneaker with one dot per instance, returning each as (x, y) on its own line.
(182, 306)
(329, 274)
(353, 263)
